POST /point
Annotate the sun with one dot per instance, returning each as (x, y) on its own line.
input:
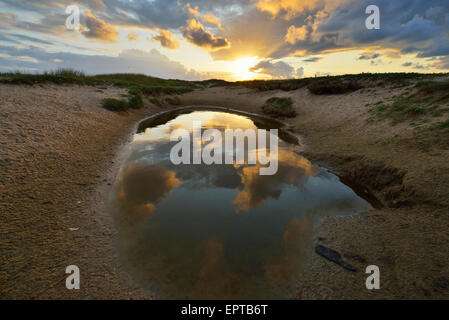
(241, 68)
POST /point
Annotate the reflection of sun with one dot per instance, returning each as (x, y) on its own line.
(241, 68)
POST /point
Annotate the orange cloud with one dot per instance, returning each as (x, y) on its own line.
(206, 18)
(167, 39)
(295, 34)
(290, 8)
(98, 29)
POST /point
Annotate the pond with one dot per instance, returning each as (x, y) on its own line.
(220, 231)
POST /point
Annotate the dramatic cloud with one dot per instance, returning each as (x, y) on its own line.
(279, 70)
(98, 29)
(196, 34)
(272, 30)
(167, 39)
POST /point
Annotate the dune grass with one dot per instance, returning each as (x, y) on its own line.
(279, 107)
(138, 82)
(339, 84)
(429, 98)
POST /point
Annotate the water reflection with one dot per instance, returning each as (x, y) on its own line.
(220, 231)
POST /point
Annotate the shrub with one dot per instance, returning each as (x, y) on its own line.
(279, 107)
(333, 86)
(135, 101)
(114, 104)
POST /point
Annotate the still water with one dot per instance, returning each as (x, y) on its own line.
(220, 231)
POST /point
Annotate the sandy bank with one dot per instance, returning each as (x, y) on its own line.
(57, 147)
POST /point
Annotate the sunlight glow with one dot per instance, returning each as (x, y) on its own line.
(241, 68)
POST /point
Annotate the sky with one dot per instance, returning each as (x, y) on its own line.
(225, 39)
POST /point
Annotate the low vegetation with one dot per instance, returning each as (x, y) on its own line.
(135, 101)
(279, 107)
(333, 86)
(112, 104)
(175, 101)
(143, 84)
(336, 84)
(429, 98)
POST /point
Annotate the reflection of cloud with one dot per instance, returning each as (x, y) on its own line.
(143, 185)
(257, 189)
(143, 182)
(296, 240)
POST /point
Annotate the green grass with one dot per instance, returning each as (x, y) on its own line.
(337, 84)
(428, 99)
(136, 82)
(279, 107)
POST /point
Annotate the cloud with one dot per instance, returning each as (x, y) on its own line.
(98, 29)
(152, 63)
(96, 5)
(167, 39)
(208, 18)
(294, 34)
(369, 56)
(195, 33)
(269, 29)
(288, 8)
(132, 36)
(278, 70)
(313, 59)
(18, 58)
(415, 65)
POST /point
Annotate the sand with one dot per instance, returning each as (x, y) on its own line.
(59, 153)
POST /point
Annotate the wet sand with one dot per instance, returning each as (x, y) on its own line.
(59, 152)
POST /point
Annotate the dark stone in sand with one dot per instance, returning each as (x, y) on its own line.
(333, 256)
